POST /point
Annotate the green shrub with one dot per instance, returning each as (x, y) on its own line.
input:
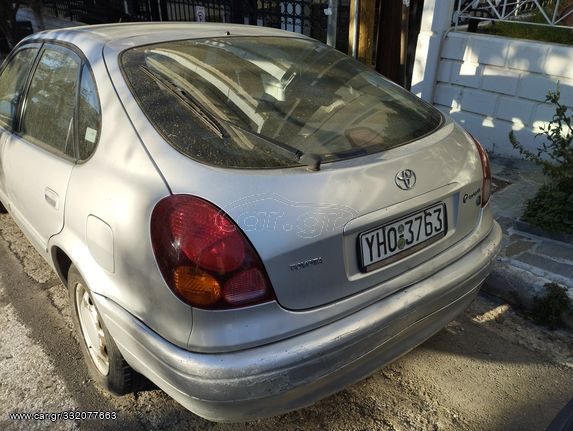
(549, 308)
(552, 207)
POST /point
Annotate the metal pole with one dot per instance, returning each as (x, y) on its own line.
(555, 11)
(332, 23)
(405, 28)
(355, 29)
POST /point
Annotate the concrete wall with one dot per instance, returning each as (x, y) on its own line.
(492, 85)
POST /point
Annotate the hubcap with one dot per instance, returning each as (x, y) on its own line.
(92, 331)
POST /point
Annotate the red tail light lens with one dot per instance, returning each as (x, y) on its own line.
(244, 287)
(205, 237)
(486, 173)
(204, 257)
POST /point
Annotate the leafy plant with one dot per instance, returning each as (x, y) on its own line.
(552, 207)
(549, 308)
(556, 154)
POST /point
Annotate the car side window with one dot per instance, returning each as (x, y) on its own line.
(48, 119)
(89, 115)
(12, 82)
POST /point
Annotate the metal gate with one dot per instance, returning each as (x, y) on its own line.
(309, 17)
(196, 10)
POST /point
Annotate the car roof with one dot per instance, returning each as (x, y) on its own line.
(139, 33)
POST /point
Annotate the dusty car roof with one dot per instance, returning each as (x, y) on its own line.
(146, 32)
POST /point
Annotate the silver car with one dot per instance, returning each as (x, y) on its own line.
(246, 217)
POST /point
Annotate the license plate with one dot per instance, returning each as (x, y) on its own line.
(393, 241)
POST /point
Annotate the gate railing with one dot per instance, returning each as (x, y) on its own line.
(301, 16)
(555, 13)
(196, 10)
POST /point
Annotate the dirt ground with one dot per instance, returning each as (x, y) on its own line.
(489, 369)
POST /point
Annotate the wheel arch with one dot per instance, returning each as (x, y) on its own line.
(61, 262)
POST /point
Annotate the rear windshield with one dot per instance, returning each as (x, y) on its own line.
(269, 102)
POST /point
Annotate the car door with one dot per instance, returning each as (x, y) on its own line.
(40, 156)
(13, 78)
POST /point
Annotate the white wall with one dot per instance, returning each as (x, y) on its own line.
(492, 85)
(436, 21)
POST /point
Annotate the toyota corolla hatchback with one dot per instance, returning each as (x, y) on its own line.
(248, 218)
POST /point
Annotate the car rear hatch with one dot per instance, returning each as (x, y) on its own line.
(307, 226)
(316, 232)
(340, 180)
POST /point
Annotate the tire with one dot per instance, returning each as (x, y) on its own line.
(2, 209)
(106, 366)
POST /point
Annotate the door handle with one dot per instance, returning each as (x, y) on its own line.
(52, 197)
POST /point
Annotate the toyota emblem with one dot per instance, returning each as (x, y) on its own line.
(406, 179)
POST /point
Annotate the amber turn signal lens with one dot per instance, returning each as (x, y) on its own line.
(196, 286)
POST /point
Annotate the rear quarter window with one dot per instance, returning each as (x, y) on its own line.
(89, 122)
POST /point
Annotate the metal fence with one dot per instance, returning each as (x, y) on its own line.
(196, 10)
(94, 11)
(309, 17)
(554, 13)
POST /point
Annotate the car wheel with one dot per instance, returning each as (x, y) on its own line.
(2, 209)
(105, 364)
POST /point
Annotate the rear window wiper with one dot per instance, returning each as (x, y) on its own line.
(282, 148)
(214, 123)
(310, 160)
(192, 103)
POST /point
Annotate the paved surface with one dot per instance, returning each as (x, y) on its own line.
(489, 369)
(527, 261)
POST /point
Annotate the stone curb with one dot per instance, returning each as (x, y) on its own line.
(519, 287)
(534, 230)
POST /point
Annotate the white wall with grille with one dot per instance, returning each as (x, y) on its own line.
(492, 85)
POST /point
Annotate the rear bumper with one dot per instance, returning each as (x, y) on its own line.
(292, 373)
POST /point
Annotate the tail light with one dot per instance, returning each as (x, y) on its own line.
(204, 257)
(486, 173)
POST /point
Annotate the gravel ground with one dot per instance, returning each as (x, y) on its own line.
(489, 369)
